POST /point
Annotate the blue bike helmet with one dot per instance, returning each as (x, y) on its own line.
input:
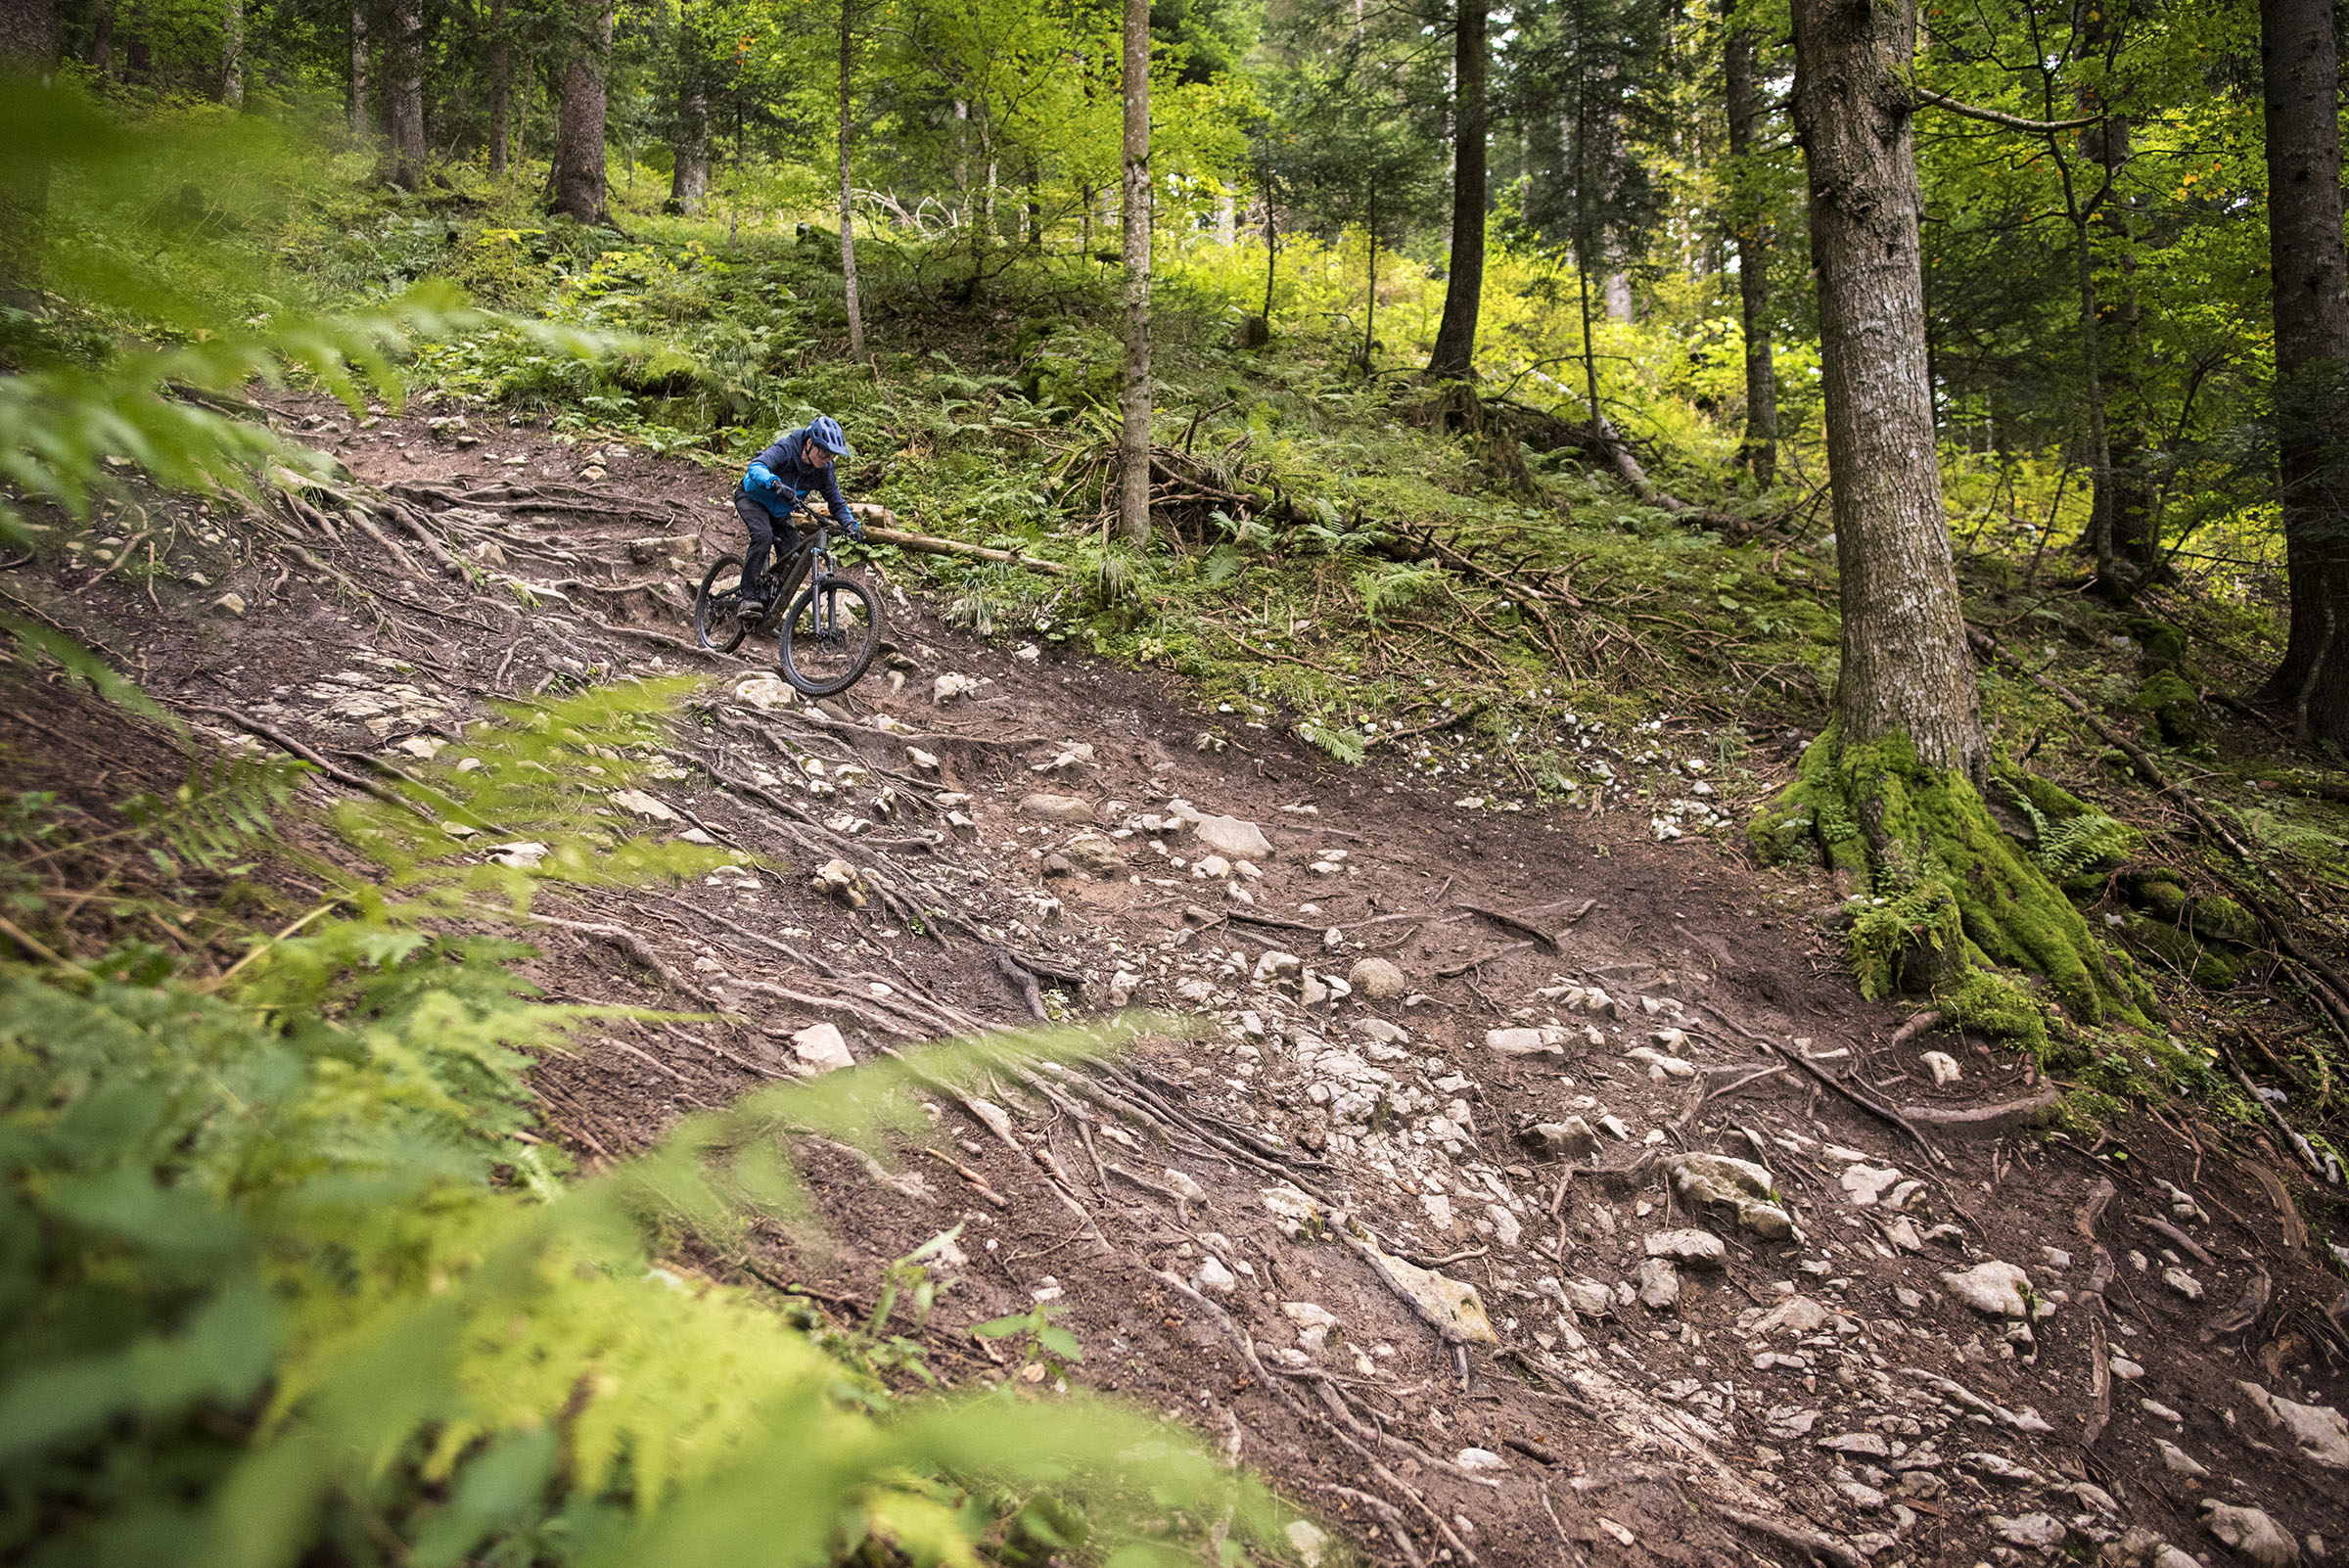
(827, 435)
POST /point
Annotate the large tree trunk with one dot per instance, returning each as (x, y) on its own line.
(102, 38)
(1905, 666)
(577, 175)
(232, 53)
(403, 108)
(1748, 220)
(689, 183)
(1133, 439)
(847, 210)
(2300, 59)
(360, 122)
(501, 87)
(1455, 355)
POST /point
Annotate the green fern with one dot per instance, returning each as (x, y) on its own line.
(221, 813)
(2064, 847)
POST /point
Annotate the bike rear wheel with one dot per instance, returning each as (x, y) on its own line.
(831, 635)
(716, 626)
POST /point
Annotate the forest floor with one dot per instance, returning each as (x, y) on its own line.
(1420, 1048)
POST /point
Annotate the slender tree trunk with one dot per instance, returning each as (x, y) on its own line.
(1455, 355)
(405, 107)
(1370, 288)
(689, 177)
(1272, 253)
(501, 88)
(232, 53)
(1905, 666)
(2300, 58)
(102, 38)
(1133, 439)
(577, 175)
(847, 211)
(1748, 223)
(962, 160)
(360, 123)
(2122, 510)
(1581, 278)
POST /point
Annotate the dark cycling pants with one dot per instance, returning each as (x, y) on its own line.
(761, 524)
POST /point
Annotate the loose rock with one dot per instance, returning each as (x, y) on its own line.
(1659, 1284)
(821, 1047)
(1736, 1187)
(1994, 1289)
(2251, 1533)
(1699, 1249)
(1228, 834)
(1377, 977)
(2316, 1430)
(1056, 808)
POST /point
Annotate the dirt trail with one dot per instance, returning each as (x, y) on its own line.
(1719, 1305)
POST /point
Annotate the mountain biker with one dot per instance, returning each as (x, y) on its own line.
(772, 489)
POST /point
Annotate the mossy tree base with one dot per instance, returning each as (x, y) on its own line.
(1952, 891)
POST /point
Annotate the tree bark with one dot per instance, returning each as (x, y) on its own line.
(1455, 355)
(1906, 665)
(847, 211)
(102, 38)
(360, 122)
(689, 181)
(501, 88)
(577, 175)
(403, 109)
(2300, 62)
(1133, 439)
(232, 53)
(1748, 222)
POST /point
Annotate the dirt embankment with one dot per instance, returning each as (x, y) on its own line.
(1525, 1190)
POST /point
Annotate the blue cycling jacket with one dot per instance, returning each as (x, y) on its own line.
(780, 476)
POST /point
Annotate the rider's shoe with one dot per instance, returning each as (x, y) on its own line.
(751, 608)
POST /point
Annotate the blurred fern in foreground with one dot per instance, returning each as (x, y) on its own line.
(289, 1278)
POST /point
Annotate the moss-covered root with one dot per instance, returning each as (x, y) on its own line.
(1954, 887)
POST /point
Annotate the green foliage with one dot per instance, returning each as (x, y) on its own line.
(288, 1273)
(1919, 840)
(221, 813)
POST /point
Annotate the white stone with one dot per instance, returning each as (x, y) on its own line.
(1480, 1459)
(1942, 1065)
(521, 856)
(1659, 1284)
(2318, 1430)
(1865, 1184)
(1697, 1248)
(1213, 1275)
(1547, 1041)
(1228, 834)
(1377, 977)
(2251, 1533)
(643, 805)
(2029, 1530)
(951, 685)
(764, 692)
(1994, 1289)
(821, 1047)
(2185, 1284)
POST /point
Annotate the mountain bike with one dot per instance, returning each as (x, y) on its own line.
(828, 634)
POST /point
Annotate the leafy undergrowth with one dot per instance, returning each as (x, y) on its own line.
(291, 1275)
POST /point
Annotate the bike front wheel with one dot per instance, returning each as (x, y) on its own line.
(717, 625)
(831, 635)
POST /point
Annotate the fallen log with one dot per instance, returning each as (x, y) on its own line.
(929, 544)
